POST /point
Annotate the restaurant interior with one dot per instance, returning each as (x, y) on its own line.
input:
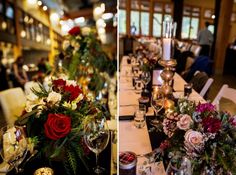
(117, 87)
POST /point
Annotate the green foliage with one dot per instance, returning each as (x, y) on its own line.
(89, 60)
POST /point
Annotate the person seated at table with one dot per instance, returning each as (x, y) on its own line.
(19, 74)
(3, 73)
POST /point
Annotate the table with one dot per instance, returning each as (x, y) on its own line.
(131, 138)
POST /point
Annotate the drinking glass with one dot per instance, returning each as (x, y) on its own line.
(139, 117)
(146, 78)
(96, 136)
(188, 89)
(157, 102)
(184, 166)
(13, 145)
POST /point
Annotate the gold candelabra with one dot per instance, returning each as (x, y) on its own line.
(167, 76)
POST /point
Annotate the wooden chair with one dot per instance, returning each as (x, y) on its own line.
(225, 92)
(13, 103)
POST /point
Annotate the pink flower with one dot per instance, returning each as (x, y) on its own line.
(184, 122)
(194, 143)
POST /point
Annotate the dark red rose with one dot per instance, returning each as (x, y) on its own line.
(59, 83)
(57, 126)
(74, 31)
(165, 144)
(74, 91)
(211, 124)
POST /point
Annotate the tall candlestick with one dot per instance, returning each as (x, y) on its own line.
(166, 48)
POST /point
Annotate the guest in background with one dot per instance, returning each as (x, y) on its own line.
(133, 29)
(20, 76)
(205, 39)
(3, 73)
(42, 65)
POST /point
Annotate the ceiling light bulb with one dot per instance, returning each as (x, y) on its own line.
(23, 34)
(45, 8)
(107, 16)
(4, 25)
(213, 16)
(40, 3)
(32, 2)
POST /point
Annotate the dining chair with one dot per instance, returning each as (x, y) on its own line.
(13, 103)
(201, 82)
(225, 92)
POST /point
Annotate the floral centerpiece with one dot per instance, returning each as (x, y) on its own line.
(86, 61)
(203, 135)
(54, 118)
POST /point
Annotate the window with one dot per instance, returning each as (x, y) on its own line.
(144, 23)
(122, 21)
(190, 23)
(161, 13)
(157, 24)
(134, 22)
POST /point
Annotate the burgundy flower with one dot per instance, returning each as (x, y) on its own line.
(232, 121)
(211, 124)
(59, 83)
(164, 145)
(205, 107)
(74, 91)
(74, 31)
(57, 126)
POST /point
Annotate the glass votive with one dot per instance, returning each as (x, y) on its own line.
(144, 101)
(44, 171)
(140, 118)
(127, 163)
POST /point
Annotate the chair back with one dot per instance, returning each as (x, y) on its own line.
(13, 103)
(206, 87)
(201, 82)
(225, 92)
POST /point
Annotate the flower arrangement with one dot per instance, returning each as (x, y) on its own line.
(203, 135)
(86, 61)
(55, 116)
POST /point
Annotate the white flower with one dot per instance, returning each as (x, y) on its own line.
(32, 101)
(184, 122)
(53, 97)
(71, 82)
(65, 44)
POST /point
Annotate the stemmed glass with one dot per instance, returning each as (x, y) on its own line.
(13, 145)
(146, 78)
(96, 136)
(157, 102)
(188, 89)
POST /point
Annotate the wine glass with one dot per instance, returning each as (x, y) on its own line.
(146, 78)
(13, 145)
(188, 89)
(96, 136)
(157, 102)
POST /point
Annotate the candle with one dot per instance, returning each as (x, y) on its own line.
(166, 48)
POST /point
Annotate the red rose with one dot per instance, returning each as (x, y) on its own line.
(164, 145)
(74, 31)
(211, 124)
(57, 126)
(74, 91)
(59, 83)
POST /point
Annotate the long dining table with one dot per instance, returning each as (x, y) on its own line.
(130, 137)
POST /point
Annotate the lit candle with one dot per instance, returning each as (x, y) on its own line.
(166, 48)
